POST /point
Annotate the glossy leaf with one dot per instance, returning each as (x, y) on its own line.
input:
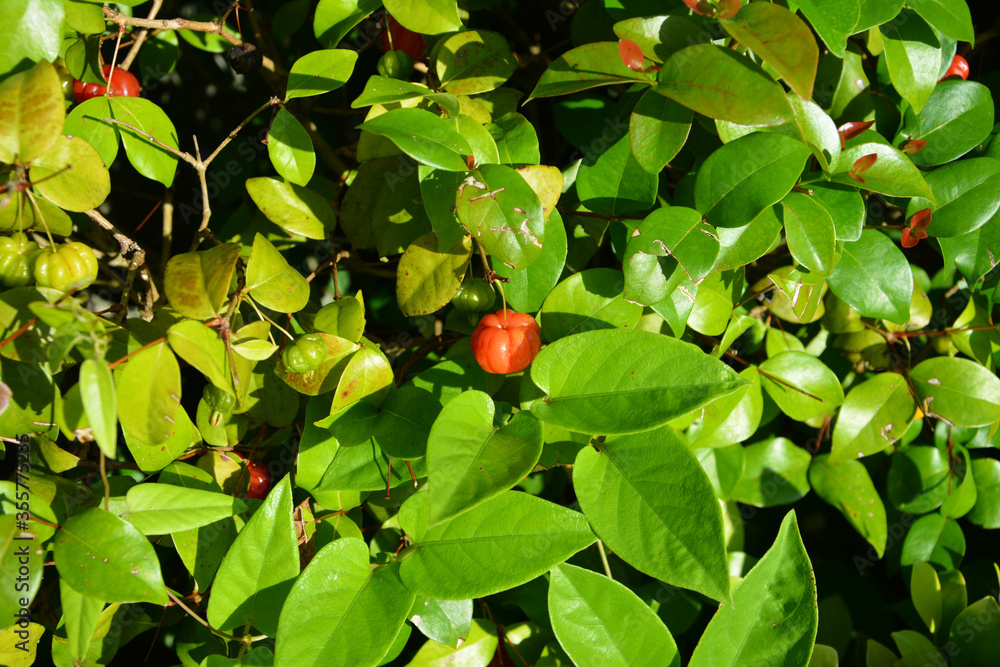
(875, 414)
(977, 647)
(960, 391)
(956, 118)
(31, 113)
(893, 173)
(848, 487)
(258, 571)
(430, 17)
(598, 621)
(471, 460)
(503, 542)
(720, 84)
(474, 61)
(935, 539)
(950, 17)
(913, 55)
(71, 175)
(290, 148)
(424, 137)
(150, 385)
(967, 195)
(339, 610)
(746, 176)
(775, 473)
(612, 181)
(810, 232)
(149, 159)
(102, 556)
(632, 488)
(774, 617)
(658, 128)
(97, 392)
(159, 509)
(320, 72)
(918, 479)
(584, 67)
(428, 279)
(527, 288)
(272, 282)
(592, 382)
(197, 282)
(986, 512)
(874, 277)
(802, 385)
(333, 19)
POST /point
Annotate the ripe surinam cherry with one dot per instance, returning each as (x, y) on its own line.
(506, 342)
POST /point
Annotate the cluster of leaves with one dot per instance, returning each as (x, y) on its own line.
(734, 276)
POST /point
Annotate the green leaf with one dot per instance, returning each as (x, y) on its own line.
(272, 282)
(746, 176)
(657, 130)
(471, 460)
(31, 113)
(19, 557)
(71, 175)
(333, 19)
(834, 21)
(423, 136)
(960, 391)
(721, 84)
(724, 467)
(781, 39)
(816, 129)
(957, 117)
(340, 611)
(912, 56)
(671, 243)
(935, 539)
(848, 487)
(967, 195)
(383, 209)
(950, 17)
(149, 391)
(631, 490)
(874, 278)
(517, 142)
(503, 213)
(365, 468)
(976, 633)
(503, 543)
(986, 512)
(200, 345)
(382, 90)
(446, 622)
(527, 288)
(918, 479)
(102, 556)
(320, 72)
(476, 646)
(403, 424)
(774, 474)
(428, 17)
(875, 414)
(474, 61)
(149, 159)
(802, 385)
(962, 495)
(197, 282)
(598, 621)
(845, 205)
(81, 615)
(344, 318)
(30, 30)
(290, 148)
(660, 36)
(585, 67)
(620, 381)
(259, 569)
(739, 246)
(733, 418)
(426, 279)
(206, 41)
(810, 232)
(774, 616)
(892, 174)
(97, 392)
(925, 590)
(613, 182)
(159, 509)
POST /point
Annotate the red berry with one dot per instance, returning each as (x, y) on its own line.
(959, 67)
(123, 84)
(260, 480)
(506, 342)
(403, 39)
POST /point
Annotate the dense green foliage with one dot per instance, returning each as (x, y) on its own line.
(758, 241)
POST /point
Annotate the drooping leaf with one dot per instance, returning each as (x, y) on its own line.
(427, 279)
(874, 277)
(159, 509)
(423, 136)
(272, 282)
(848, 487)
(197, 282)
(150, 387)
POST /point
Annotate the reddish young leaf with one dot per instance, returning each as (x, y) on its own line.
(855, 177)
(864, 163)
(911, 238)
(728, 8)
(631, 55)
(850, 130)
(470, 161)
(914, 146)
(921, 219)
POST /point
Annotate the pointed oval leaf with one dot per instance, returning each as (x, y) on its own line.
(960, 391)
(404, 420)
(875, 414)
(426, 278)
(149, 159)
(630, 490)
(200, 345)
(296, 209)
(197, 282)
(801, 385)
(290, 148)
(951, 17)
(781, 39)
(320, 72)
(149, 390)
(718, 83)
(958, 117)
(892, 173)
(503, 212)
(527, 288)
(474, 61)
(340, 611)
(874, 278)
(598, 621)
(471, 460)
(657, 130)
(259, 569)
(31, 113)
(619, 381)
(503, 543)
(104, 557)
(588, 300)
(159, 509)
(585, 67)
(82, 182)
(774, 616)
(612, 181)
(745, 177)
(272, 282)
(918, 479)
(934, 539)
(810, 232)
(428, 17)
(967, 194)
(97, 392)
(848, 487)
(834, 21)
(912, 56)
(424, 136)
(774, 474)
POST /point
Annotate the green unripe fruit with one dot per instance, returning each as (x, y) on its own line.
(395, 65)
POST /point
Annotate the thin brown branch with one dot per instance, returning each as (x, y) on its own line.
(141, 37)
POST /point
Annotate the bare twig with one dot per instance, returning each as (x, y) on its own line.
(141, 37)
